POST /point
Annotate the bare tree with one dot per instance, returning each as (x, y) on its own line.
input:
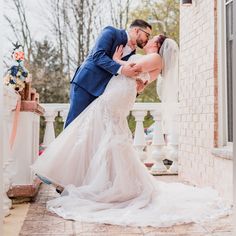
(83, 13)
(120, 11)
(72, 24)
(20, 28)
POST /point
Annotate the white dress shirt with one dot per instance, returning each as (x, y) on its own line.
(126, 51)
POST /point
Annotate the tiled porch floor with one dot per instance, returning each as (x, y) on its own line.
(42, 223)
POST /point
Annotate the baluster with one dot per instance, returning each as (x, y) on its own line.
(172, 145)
(158, 143)
(49, 135)
(139, 139)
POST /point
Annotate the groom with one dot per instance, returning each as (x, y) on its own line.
(92, 77)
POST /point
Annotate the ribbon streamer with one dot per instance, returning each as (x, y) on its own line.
(15, 123)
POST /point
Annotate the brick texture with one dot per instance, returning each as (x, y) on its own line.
(199, 99)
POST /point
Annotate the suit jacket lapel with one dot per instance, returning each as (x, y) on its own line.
(128, 56)
(133, 52)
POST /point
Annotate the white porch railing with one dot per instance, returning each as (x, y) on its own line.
(9, 100)
(159, 149)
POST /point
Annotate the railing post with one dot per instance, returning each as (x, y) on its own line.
(158, 143)
(49, 135)
(7, 163)
(172, 144)
(7, 203)
(139, 139)
(10, 100)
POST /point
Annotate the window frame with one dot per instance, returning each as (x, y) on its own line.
(222, 75)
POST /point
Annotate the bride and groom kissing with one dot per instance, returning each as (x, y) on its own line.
(93, 160)
(85, 86)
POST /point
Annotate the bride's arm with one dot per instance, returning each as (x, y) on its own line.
(153, 75)
(150, 63)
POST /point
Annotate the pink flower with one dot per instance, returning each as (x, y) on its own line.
(19, 56)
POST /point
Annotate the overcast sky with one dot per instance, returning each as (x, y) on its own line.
(36, 11)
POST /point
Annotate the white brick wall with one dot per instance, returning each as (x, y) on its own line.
(196, 163)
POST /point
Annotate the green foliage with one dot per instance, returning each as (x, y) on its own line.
(58, 125)
(49, 79)
(148, 121)
(42, 129)
(149, 94)
(166, 11)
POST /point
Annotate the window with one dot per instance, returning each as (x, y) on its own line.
(229, 66)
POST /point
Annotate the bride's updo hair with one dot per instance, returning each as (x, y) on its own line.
(160, 40)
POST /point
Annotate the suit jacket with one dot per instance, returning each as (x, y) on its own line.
(98, 68)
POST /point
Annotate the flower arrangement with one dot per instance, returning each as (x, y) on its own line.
(17, 75)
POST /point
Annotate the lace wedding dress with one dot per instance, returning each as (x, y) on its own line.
(104, 179)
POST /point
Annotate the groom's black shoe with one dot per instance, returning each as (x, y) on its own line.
(59, 189)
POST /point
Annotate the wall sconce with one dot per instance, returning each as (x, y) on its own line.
(187, 2)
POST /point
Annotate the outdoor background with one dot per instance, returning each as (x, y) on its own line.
(58, 34)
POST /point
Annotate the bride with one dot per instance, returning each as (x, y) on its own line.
(95, 162)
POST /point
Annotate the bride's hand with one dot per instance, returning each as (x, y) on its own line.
(118, 53)
(140, 85)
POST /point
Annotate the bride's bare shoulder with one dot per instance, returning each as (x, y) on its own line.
(150, 62)
(151, 56)
(154, 56)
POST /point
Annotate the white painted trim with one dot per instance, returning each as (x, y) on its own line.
(222, 75)
(1, 118)
(228, 2)
(225, 152)
(234, 113)
(222, 89)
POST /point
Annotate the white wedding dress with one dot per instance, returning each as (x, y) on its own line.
(104, 179)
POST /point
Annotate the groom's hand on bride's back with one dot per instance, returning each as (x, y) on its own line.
(131, 70)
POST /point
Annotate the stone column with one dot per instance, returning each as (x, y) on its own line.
(139, 139)
(158, 144)
(26, 148)
(49, 134)
(10, 98)
(172, 145)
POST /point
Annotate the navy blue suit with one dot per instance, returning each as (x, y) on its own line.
(92, 77)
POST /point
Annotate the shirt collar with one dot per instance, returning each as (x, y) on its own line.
(128, 39)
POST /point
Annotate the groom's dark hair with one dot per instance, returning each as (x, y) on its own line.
(140, 23)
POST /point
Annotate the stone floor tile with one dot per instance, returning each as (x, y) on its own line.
(223, 234)
(41, 222)
(107, 234)
(157, 233)
(149, 230)
(106, 229)
(45, 227)
(221, 224)
(191, 228)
